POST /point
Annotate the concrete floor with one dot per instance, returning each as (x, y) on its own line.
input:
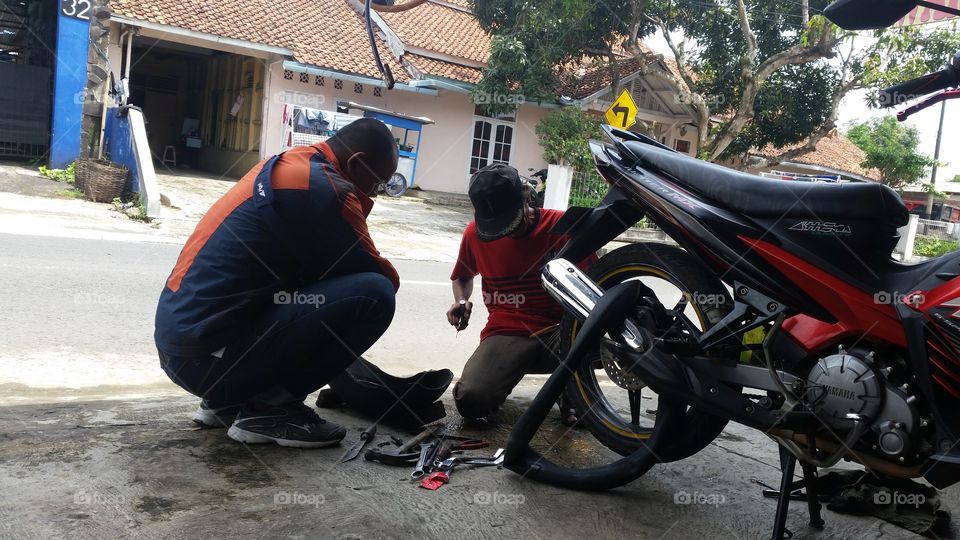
(140, 469)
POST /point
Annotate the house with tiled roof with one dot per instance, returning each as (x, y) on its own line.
(834, 155)
(217, 80)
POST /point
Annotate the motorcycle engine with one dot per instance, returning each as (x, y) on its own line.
(848, 383)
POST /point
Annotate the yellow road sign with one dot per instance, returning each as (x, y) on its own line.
(623, 113)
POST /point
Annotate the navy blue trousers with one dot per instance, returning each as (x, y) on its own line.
(298, 344)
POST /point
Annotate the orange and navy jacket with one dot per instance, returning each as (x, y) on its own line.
(233, 263)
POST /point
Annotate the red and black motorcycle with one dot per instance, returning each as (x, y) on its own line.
(782, 310)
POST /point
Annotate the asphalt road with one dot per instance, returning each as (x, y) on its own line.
(78, 314)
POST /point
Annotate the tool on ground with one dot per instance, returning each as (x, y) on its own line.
(366, 436)
(448, 464)
(425, 462)
(465, 443)
(402, 455)
(461, 311)
(390, 458)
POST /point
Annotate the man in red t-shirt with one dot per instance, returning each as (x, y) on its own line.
(507, 244)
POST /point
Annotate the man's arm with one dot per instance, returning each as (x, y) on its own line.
(459, 314)
(356, 215)
(461, 281)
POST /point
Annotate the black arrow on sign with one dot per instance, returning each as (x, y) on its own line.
(624, 111)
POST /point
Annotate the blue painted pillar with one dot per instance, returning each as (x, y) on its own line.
(69, 81)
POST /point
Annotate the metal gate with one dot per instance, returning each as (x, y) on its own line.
(27, 32)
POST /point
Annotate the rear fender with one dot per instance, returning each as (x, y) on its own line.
(592, 228)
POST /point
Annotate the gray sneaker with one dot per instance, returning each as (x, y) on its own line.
(295, 425)
(215, 417)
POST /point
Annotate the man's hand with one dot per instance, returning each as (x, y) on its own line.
(459, 314)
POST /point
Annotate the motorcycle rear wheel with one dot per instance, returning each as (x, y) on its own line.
(596, 411)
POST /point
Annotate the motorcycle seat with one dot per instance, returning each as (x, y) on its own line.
(755, 196)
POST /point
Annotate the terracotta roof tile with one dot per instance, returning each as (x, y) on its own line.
(438, 68)
(440, 27)
(590, 76)
(325, 33)
(834, 151)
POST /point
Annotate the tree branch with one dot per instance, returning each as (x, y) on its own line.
(678, 53)
(686, 85)
(825, 129)
(748, 34)
(637, 9)
(822, 47)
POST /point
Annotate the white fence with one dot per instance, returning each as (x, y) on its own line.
(943, 230)
(923, 238)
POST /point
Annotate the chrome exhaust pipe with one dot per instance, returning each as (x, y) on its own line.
(578, 294)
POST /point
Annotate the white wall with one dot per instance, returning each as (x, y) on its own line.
(444, 157)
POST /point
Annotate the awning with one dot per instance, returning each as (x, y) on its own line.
(378, 110)
(925, 15)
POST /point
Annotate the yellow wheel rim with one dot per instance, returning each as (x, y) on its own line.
(573, 334)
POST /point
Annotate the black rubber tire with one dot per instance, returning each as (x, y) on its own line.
(689, 275)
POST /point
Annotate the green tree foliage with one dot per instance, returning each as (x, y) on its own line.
(719, 50)
(891, 148)
(564, 134)
(795, 102)
(774, 73)
(892, 56)
(531, 38)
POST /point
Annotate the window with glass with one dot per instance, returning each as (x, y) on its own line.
(492, 141)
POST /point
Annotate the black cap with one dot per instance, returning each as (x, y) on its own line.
(496, 192)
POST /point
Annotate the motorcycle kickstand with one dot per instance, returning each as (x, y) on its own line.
(811, 479)
(788, 463)
(794, 490)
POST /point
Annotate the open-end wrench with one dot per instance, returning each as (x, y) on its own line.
(426, 461)
(451, 462)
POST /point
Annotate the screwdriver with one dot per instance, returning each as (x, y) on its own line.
(461, 311)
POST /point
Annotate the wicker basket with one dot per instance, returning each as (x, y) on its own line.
(100, 180)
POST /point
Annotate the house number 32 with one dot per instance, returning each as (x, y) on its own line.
(78, 9)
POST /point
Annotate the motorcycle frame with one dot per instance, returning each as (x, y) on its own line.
(824, 306)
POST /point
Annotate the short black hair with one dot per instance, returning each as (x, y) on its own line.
(367, 135)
